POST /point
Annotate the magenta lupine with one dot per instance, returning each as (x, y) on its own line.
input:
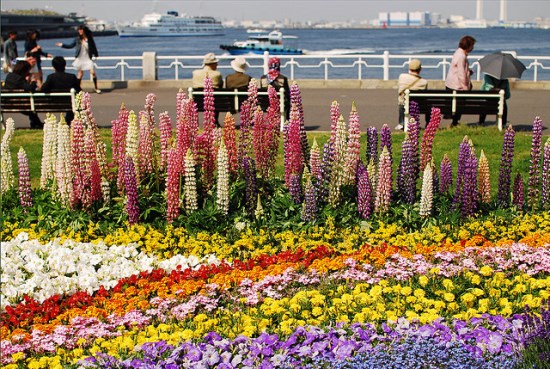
(130, 186)
(372, 144)
(414, 112)
(545, 195)
(165, 128)
(293, 155)
(172, 185)
(484, 179)
(230, 141)
(365, 202)
(7, 177)
(406, 175)
(518, 195)
(222, 194)
(338, 174)
(505, 171)
(426, 195)
(353, 152)
(428, 138)
(251, 189)
(296, 99)
(309, 206)
(533, 191)
(315, 160)
(63, 170)
(25, 197)
(446, 175)
(384, 185)
(190, 186)
(78, 163)
(49, 152)
(146, 146)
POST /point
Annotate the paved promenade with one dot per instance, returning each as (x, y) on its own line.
(376, 106)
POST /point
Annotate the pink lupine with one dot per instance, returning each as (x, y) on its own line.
(165, 127)
(384, 186)
(146, 146)
(172, 185)
(428, 138)
(25, 198)
(230, 141)
(130, 186)
(315, 160)
(78, 162)
(353, 152)
(484, 179)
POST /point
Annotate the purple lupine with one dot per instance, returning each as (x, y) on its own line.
(505, 171)
(533, 191)
(518, 196)
(414, 112)
(172, 185)
(364, 192)
(296, 99)
(545, 195)
(406, 176)
(25, 197)
(428, 138)
(309, 207)
(130, 185)
(446, 175)
(353, 152)
(384, 185)
(165, 127)
(251, 189)
(372, 144)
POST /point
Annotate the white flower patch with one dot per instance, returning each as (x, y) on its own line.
(43, 270)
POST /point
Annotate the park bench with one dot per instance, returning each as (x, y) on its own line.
(19, 101)
(461, 102)
(230, 100)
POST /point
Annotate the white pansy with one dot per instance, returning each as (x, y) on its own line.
(43, 270)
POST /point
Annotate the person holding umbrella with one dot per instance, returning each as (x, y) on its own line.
(498, 67)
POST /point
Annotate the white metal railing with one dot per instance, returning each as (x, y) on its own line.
(384, 66)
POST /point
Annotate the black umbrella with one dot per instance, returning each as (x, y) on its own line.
(501, 66)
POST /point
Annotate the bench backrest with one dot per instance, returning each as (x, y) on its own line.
(19, 101)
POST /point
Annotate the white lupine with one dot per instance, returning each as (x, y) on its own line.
(190, 187)
(63, 167)
(132, 140)
(43, 270)
(426, 197)
(7, 178)
(222, 198)
(49, 152)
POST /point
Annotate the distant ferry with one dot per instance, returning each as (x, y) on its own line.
(171, 24)
(258, 44)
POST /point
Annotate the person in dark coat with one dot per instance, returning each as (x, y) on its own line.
(60, 81)
(19, 79)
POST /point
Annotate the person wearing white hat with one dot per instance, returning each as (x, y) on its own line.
(210, 69)
(239, 79)
(409, 81)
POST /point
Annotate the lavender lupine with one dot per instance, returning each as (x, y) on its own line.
(384, 185)
(545, 193)
(78, 162)
(446, 175)
(354, 145)
(484, 179)
(414, 111)
(130, 187)
(365, 202)
(63, 171)
(49, 152)
(222, 194)
(505, 171)
(7, 177)
(172, 185)
(406, 176)
(533, 191)
(309, 206)
(230, 141)
(426, 195)
(296, 99)
(518, 195)
(372, 144)
(251, 190)
(428, 138)
(146, 146)
(190, 186)
(25, 198)
(338, 176)
(315, 160)
(165, 128)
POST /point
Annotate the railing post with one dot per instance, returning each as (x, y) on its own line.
(386, 65)
(266, 62)
(150, 66)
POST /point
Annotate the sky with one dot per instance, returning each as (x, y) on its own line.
(294, 10)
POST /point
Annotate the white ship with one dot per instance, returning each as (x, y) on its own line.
(171, 24)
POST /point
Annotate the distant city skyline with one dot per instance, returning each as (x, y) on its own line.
(293, 10)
